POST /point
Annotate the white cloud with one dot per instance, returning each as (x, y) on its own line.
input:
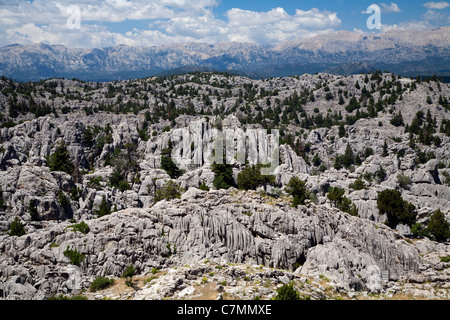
(393, 7)
(168, 21)
(437, 5)
(437, 18)
(408, 25)
(277, 25)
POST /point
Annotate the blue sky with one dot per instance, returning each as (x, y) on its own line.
(102, 23)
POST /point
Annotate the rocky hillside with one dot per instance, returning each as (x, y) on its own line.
(93, 181)
(401, 51)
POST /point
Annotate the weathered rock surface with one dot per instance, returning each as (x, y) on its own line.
(348, 250)
(316, 240)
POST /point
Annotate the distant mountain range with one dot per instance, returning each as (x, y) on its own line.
(403, 52)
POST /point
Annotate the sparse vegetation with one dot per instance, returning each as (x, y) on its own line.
(74, 256)
(33, 211)
(288, 292)
(297, 189)
(391, 203)
(17, 228)
(101, 283)
(60, 160)
(104, 208)
(223, 176)
(438, 227)
(81, 227)
(251, 178)
(128, 274)
(170, 191)
(336, 195)
(404, 181)
(167, 163)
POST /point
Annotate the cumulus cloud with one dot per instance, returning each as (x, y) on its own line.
(277, 25)
(437, 5)
(167, 21)
(437, 18)
(387, 8)
(407, 25)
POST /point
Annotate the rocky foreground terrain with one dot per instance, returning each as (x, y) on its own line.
(91, 185)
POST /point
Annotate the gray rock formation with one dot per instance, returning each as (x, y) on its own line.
(211, 225)
(248, 228)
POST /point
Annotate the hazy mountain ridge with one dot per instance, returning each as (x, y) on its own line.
(402, 52)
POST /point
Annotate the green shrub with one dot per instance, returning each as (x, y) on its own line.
(353, 105)
(64, 202)
(336, 195)
(101, 283)
(385, 150)
(358, 184)
(342, 132)
(418, 230)
(123, 185)
(223, 176)
(94, 183)
(60, 160)
(368, 176)
(128, 274)
(2, 200)
(346, 205)
(316, 160)
(438, 228)
(16, 228)
(117, 180)
(345, 160)
(380, 174)
(403, 181)
(81, 227)
(88, 137)
(287, 292)
(447, 177)
(297, 189)
(391, 203)
(397, 120)
(251, 178)
(203, 187)
(104, 208)
(368, 152)
(168, 165)
(154, 270)
(74, 256)
(170, 191)
(32, 210)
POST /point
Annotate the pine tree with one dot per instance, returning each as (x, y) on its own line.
(391, 203)
(168, 165)
(438, 227)
(17, 228)
(104, 208)
(385, 150)
(60, 160)
(297, 189)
